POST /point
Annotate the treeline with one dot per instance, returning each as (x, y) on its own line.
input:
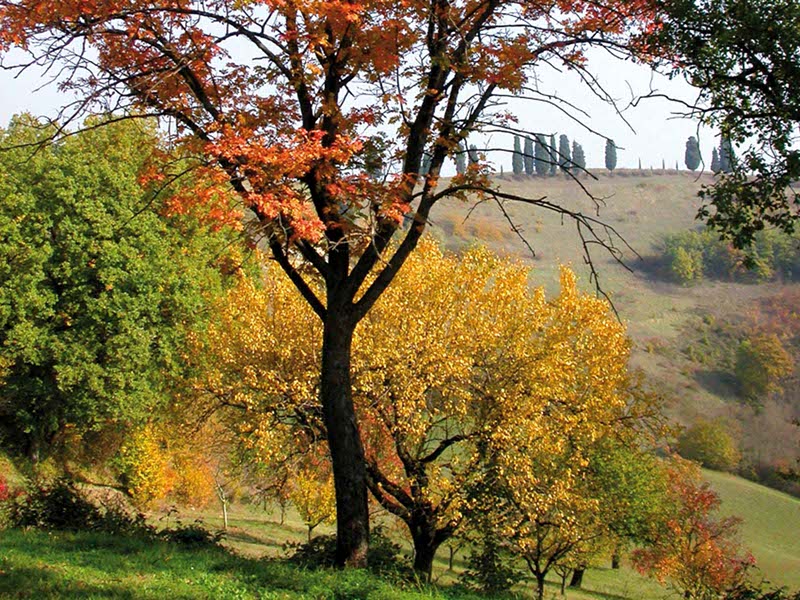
(692, 256)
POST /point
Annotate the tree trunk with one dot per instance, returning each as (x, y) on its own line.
(540, 586)
(344, 441)
(577, 578)
(425, 547)
(225, 515)
(615, 560)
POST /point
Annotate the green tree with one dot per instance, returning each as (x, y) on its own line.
(529, 157)
(473, 155)
(761, 362)
(541, 156)
(710, 444)
(715, 164)
(564, 154)
(461, 159)
(611, 155)
(517, 160)
(553, 156)
(98, 290)
(578, 157)
(727, 157)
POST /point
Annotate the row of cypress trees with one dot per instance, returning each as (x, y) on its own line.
(723, 157)
(539, 156)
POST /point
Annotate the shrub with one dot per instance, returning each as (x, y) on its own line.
(490, 568)
(384, 556)
(710, 444)
(761, 362)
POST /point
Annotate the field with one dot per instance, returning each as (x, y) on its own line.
(87, 565)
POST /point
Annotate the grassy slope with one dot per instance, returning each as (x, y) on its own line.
(770, 528)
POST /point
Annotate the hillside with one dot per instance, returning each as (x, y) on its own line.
(671, 325)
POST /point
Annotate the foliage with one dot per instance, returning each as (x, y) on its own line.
(692, 157)
(312, 495)
(710, 444)
(761, 362)
(742, 56)
(696, 551)
(490, 566)
(99, 289)
(578, 156)
(611, 155)
(694, 255)
(727, 157)
(274, 120)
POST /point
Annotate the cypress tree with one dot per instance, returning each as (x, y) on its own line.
(473, 155)
(663, 166)
(564, 154)
(727, 158)
(528, 157)
(578, 157)
(640, 164)
(553, 155)
(461, 160)
(611, 155)
(516, 158)
(541, 156)
(715, 167)
(426, 164)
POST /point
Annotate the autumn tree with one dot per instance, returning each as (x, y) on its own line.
(710, 444)
(264, 93)
(99, 286)
(312, 493)
(697, 551)
(761, 362)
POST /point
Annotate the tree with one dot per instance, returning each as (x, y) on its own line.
(578, 157)
(727, 157)
(715, 164)
(761, 362)
(541, 156)
(99, 290)
(564, 154)
(611, 155)
(554, 160)
(529, 157)
(461, 159)
(517, 160)
(696, 551)
(710, 444)
(425, 167)
(473, 155)
(743, 57)
(263, 94)
(313, 495)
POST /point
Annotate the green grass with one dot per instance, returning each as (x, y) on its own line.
(770, 527)
(40, 565)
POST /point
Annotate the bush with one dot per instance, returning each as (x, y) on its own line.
(710, 444)
(490, 568)
(384, 556)
(61, 506)
(761, 362)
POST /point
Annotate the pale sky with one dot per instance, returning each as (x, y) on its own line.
(655, 135)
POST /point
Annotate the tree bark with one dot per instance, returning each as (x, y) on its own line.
(577, 578)
(540, 586)
(344, 441)
(425, 546)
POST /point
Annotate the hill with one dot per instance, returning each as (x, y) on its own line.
(684, 337)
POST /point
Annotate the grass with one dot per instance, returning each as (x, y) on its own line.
(770, 527)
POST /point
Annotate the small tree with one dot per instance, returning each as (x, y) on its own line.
(695, 551)
(715, 166)
(727, 157)
(761, 362)
(541, 156)
(611, 155)
(710, 444)
(529, 157)
(564, 154)
(461, 159)
(517, 160)
(578, 157)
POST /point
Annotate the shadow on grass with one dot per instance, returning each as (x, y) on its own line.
(718, 382)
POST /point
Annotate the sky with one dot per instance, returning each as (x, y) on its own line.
(650, 131)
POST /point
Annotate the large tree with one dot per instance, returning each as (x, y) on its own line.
(271, 94)
(99, 289)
